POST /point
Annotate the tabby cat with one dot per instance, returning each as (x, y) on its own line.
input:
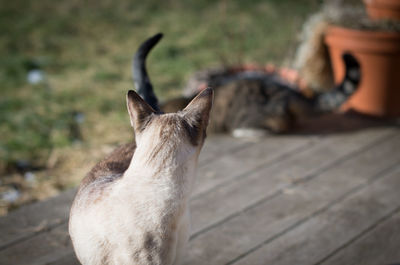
(251, 103)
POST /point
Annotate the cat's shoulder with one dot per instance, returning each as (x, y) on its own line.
(111, 167)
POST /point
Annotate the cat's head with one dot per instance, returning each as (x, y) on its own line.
(174, 134)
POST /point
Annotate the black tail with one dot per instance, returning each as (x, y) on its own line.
(332, 100)
(140, 76)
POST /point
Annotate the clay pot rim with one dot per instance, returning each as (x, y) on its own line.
(360, 33)
(363, 41)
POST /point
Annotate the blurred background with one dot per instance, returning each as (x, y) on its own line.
(65, 67)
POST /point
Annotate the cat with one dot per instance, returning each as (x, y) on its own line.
(252, 103)
(132, 207)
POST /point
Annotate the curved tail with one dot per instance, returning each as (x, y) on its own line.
(331, 100)
(140, 76)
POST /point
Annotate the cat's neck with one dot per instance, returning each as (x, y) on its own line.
(153, 162)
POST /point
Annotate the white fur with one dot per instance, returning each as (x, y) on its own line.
(142, 217)
(147, 199)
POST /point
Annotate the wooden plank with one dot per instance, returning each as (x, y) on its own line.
(68, 259)
(38, 217)
(219, 145)
(64, 254)
(380, 244)
(40, 249)
(8, 252)
(225, 201)
(311, 241)
(35, 218)
(241, 163)
(267, 220)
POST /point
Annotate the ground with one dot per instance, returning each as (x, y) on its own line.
(53, 131)
(328, 194)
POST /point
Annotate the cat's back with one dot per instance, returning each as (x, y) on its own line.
(102, 177)
(112, 167)
(235, 103)
(112, 222)
(96, 215)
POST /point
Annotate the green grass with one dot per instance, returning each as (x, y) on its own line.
(85, 49)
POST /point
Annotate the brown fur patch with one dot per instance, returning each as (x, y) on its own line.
(149, 242)
(165, 125)
(139, 111)
(193, 132)
(105, 253)
(142, 122)
(112, 167)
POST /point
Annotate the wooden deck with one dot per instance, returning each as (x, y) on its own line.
(325, 196)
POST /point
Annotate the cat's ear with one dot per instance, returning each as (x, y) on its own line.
(139, 110)
(197, 112)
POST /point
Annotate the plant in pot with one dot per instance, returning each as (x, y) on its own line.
(376, 45)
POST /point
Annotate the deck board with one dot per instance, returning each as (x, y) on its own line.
(266, 201)
(379, 244)
(218, 145)
(31, 220)
(241, 234)
(234, 197)
(229, 167)
(314, 239)
(42, 248)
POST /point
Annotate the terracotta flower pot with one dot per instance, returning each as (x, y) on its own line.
(383, 9)
(379, 57)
